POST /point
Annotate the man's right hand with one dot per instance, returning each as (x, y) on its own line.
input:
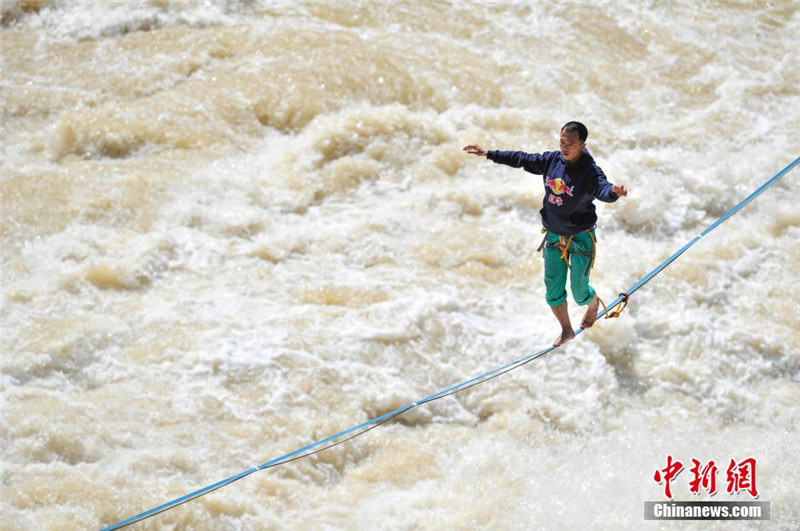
(476, 150)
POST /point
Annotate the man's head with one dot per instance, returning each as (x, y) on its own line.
(573, 140)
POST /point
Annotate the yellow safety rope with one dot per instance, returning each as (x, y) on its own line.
(564, 249)
(615, 313)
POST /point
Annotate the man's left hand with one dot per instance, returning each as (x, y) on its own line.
(621, 191)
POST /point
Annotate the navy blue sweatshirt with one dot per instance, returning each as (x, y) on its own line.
(569, 189)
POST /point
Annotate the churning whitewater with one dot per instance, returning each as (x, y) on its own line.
(231, 229)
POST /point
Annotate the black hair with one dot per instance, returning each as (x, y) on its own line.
(577, 127)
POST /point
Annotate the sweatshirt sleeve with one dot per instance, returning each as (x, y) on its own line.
(530, 162)
(602, 188)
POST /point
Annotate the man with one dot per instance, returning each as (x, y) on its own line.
(572, 181)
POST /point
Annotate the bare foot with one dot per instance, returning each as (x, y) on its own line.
(591, 313)
(565, 336)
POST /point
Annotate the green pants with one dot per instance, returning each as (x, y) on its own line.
(580, 253)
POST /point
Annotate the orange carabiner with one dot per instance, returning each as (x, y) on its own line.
(615, 313)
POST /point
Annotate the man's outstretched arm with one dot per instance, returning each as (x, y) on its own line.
(530, 162)
(474, 149)
(606, 191)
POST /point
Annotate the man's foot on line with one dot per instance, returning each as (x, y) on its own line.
(591, 313)
(565, 336)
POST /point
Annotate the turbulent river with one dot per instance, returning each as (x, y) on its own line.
(230, 229)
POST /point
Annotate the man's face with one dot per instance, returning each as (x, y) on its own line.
(570, 145)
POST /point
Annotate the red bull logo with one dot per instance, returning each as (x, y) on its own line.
(558, 186)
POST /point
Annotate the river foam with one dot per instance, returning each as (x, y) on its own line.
(233, 228)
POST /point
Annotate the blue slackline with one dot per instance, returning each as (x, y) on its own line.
(364, 427)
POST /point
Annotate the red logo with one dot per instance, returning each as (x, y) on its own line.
(705, 478)
(741, 476)
(669, 473)
(557, 187)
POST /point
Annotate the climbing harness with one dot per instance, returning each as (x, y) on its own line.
(355, 431)
(563, 246)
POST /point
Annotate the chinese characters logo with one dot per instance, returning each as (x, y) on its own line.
(739, 477)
